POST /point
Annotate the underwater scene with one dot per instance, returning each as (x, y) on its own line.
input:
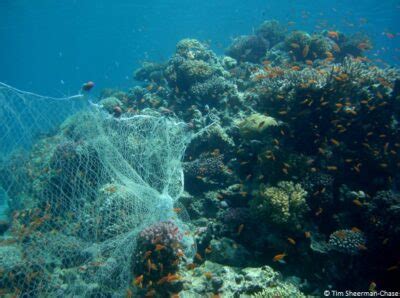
(199, 148)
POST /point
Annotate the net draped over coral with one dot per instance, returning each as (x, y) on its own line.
(83, 184)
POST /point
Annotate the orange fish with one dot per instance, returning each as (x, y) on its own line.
(88, 86)
(138, 280)
(198, 257)
(169, 278)
(307, 234)
(279, 257)
(333, 34)
(159, 247)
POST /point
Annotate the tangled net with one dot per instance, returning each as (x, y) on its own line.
(81, 186)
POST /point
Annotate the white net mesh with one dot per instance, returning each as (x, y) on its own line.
(82, 191)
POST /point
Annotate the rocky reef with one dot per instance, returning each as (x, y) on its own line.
(293, 168)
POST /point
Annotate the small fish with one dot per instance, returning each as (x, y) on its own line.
(363, 46)
(88, 86)
(291, 241)
(159, 247)
(208, 275)
(355, 229)
(332, 168)
(361, 247)
(319, 211)
(357, 202)
(305, 51)
(198, 257)
(392, 268)
(335, 142)
(208, 250)
(339, 105)
(169, 278)
(333, 34)
(261, 124)
(138, 280)
(279, 258)
(177, 210)
(307, 234)
(240, 229)
(390, 35)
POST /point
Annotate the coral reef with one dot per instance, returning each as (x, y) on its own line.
(293, 163)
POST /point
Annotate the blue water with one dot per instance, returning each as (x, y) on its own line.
(52, 46)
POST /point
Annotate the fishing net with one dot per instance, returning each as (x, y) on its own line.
(81, 185)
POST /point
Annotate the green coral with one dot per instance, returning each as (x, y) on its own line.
(283, 204)
(255, 125)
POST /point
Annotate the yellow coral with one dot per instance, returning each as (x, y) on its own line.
(283, 204)
(255, 124)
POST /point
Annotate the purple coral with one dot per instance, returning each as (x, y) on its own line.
(163, 232)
